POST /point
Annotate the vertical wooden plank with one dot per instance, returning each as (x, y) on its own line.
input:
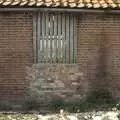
(55, 37)
(59, 38)
(41, 47)
(34, 37)
(51, 37)
(47, 52)
(63, 38)
(75, 37)
(67, 38)
(71, 40)
(38, 37)
(43, 37)
(53, 59)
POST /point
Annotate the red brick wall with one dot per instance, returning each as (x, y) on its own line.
(99, 50)
(89, 37)
(112, 31)
(15, 52)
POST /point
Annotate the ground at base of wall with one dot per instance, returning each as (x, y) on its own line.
(63, 115)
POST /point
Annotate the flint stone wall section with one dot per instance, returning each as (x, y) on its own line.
(57, 81)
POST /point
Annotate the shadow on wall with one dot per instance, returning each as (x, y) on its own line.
(101, 95)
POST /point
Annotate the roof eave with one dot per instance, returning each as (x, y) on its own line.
(35, 9)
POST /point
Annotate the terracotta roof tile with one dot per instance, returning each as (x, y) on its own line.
(64, 3)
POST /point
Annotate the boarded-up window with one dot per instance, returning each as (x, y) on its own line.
(55, 38)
